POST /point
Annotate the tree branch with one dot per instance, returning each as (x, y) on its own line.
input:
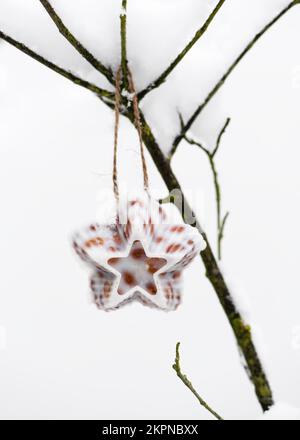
(75, 43)
(232, 67)
(189, 384)
(124, 61)
(69, 75)
(162, 78)
(241, 331)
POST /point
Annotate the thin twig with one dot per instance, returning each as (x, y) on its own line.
(221, 134)
(232, 67)
(189, 385)
(162, 78)
(218, 200)
(211, 157)
(67, 74)
(221, 234)
(88, 56)
(124, 61)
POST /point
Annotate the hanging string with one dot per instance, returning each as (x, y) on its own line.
(137, 122)
(116, 133)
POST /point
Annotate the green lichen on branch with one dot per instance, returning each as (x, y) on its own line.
(244, 334)
(241, 331)
(189, 385)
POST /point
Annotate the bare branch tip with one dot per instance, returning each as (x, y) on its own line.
(200, 32)
(181, 120)
(230, 69)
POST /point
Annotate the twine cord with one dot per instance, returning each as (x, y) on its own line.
(137, 122)
(116, 133)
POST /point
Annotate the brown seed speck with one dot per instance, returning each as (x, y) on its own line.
(173, 248)
(129, 278)
(117, 239)
(138, 253)
(177, 229)
(114, 261)
(151, 288)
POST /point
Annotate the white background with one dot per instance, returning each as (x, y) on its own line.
(59, 356)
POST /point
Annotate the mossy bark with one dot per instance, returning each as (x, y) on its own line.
(241, 331)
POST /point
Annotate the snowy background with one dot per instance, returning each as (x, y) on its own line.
(59, 356)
